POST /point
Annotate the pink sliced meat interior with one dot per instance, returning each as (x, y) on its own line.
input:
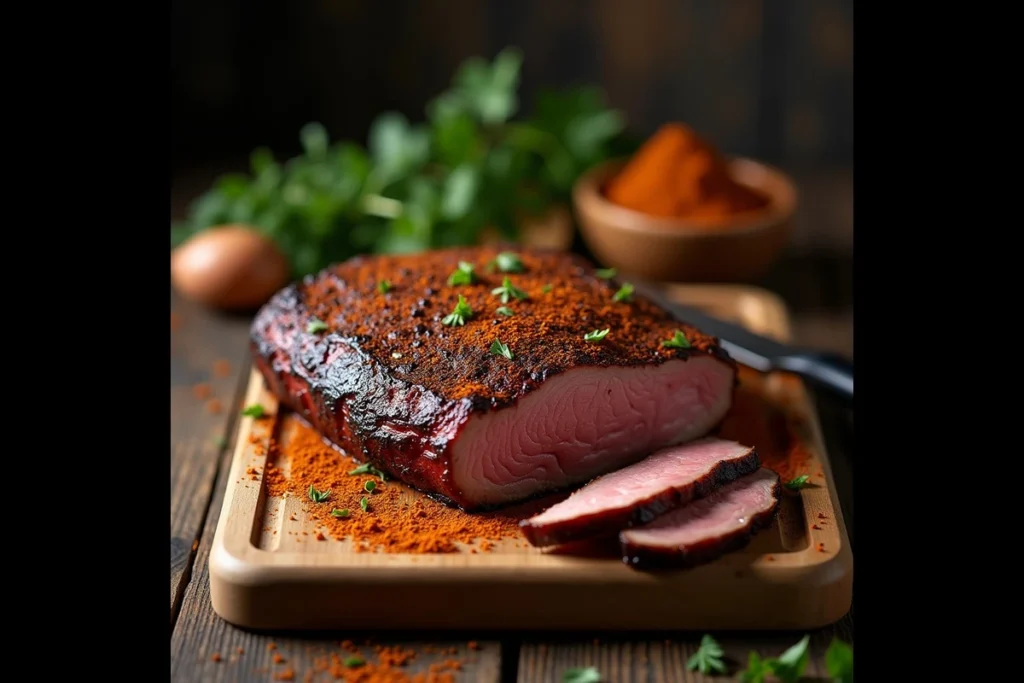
(638, 493)
(706, 529)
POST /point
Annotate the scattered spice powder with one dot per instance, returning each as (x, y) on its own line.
(214, 406)
(201, 391)
(816, 527)
(277, 658)
(221, 368)
(271, 646)
(756, 421)
(240, 651)
(473, 645)
(678, 174)
(397, 521)
(215, 657)
(286, 675)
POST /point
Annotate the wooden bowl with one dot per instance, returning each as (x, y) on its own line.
(740, 249)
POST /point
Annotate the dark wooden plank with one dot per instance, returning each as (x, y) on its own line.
(199, 635)
(663, 660)
(206, 351)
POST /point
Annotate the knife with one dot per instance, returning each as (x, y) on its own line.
(826, 370)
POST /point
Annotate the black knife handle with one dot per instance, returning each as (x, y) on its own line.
(827, 370)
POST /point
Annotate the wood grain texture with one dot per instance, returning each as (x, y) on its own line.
(198, 341)
(794, 574)
(199, 634)
(660, 660)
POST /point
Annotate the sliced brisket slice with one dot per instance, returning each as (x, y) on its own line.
(638, 493)
(706, 529)
(429, 403)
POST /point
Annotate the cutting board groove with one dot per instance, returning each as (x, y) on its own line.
(794, 575)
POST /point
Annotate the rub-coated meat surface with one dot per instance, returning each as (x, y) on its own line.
(378, 372)
(706, 529)
(638, 493)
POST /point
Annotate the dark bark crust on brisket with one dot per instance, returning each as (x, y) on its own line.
(611, 521)
(390, 384)
(648, 557)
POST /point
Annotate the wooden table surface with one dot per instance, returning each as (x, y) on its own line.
(814, 278)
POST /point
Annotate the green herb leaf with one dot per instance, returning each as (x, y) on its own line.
(364, 503)
(707, 658)
(367, 468)
(459, 191)
(315, 326)
(790, 664)
(547, 288)
(504, 310)
(797, 483)
(757, 669)
(463, 275)
(459, 314)
(352, 662)
(318, 496)
(839, 661)
(499, 349)
(370, 486)
(580, 675)
(384, 286)
(509, 262)
(507, 291)
(255, 410)
(606, 273)
(678, 341)
(625, 293)
(596, 335)
(340, 513)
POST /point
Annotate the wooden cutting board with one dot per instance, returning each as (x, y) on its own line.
(798, 574)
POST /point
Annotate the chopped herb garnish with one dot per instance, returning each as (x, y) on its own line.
(460, 314)
(547, 288)
(507, 291)
(578, 675)
(839, 661)
(790, 665)
(318, 496)
(340, 513)
(504, 310)
(352, 662)
(367, 468)
(499, 349)
(596, 335)
(370, 486)
(464, 275)
(384, 286)
(757, 669)
(364, 503)
(625, 293)
(255, 410)
(606, 273)
(314, 326)
(678, 341)
(708, 657)
(509, 262)
(797, 483)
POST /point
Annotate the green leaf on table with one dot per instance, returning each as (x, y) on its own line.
(318, 496)
(367, 468)
(839, 661)
(708, 657)
(255, 410)
(757, 669)
(790, 664)
(581, 675)
(797, 483)
(459, 192)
